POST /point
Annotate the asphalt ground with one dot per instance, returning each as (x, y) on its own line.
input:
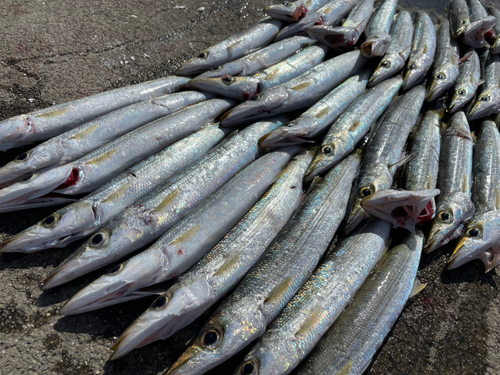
(53, 51)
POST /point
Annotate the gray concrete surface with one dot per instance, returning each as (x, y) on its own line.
(52, 51)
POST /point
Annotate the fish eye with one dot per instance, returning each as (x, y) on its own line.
(22, 157)
(203, 55)
(99, 239)
(114, 270)
(473, 232)
(248, 368)
(445, 216)
(29, 178)
(385, 64)
(326, 150)
(412, 66)
(290, 124)
(366, 191)
(227, 79)
(464, 22)
(211, 338)
(253, 97)
(441, 76)
(160, 303)
(50, 221)
(485, 98)
(217, 68)
(461, 92)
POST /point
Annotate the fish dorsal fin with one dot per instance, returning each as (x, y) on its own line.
(428, 184)
(167, 200)
(497, 199)
(186, 236)
(405, 159)
(85, 132)
(465, 185)
(228, 265)
(279, 291)
(346, 370)
(417, 288)
(310, 321)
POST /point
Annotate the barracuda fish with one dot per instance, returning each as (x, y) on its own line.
(378, 38)
(467, 82)
(351, 343)
(405, 208)
(107, 162)
(459, 17)
(454, 205)
(299, 327)
(223, 267)
(261, 59)
(495, 47)
(300, 92)
(317, 118)
(480, 27)
(353, 125)
(291, 12)
(330, 14)
(481, 234)
(234, 47)
(90, 136)
(399, 50)
(243, 88)
(285, 266)
(422, 51)
(384, 152)
(183, 245)
(445, 68)
(348, 34)
(92, 212)
(488, 101)
(48, 122)
(150, 217)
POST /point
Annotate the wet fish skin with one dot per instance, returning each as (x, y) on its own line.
(93, 211)
(93, 134)
(468, 81)
(353, 125)
(399, 50)
(422, 51)
(384, 151)
(300, 92)
(480, 26)
(186, 242)
(46, 123)
(243, 88)
(317, 118)
(310, 313)
(232, 48)
(445, 69)
(331, 13)
(354, 338)
(454, 205)
(284, 267)
(488, 101)
(378, 38)
(102, 165)
(459, 17)
(223, 267)
(495, 48)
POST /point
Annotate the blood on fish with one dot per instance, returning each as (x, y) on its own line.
(321, 21)
(180, 252)
(427, 214)
(335, 39)
(72, 180)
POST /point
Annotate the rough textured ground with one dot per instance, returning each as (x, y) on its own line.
(52, 51)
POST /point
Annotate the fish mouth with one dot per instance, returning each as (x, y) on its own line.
(67, 271)
(286, 13)
(461, 255)
(490, 258)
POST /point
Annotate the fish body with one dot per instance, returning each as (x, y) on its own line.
(46, 123)
(232, 48)
(243, 88)
(223, 266)
(422, 51)
(353, 125)
(317, 118)
(354, 338)
(459, 17)
(495, 47)
(300, 92)
(469, 79)
(293, 11)
(285, 266)
(488, 101)
(311, 312)
(454, 205)
(480, 27)
(378, 38)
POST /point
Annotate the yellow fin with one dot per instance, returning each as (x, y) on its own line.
(228, 265)
(323, 112)
(301, 86)
(167, 200)
(279, 291)
(428, 184)
(85, 132)
(465, 186)
(426, 49)
(417, 288)
(187, 235)
(497, 199)
(53, 113)
(234, 45)
(118, 193)
(346, 370)
(103, 157)
(354, 126)
(310, 322)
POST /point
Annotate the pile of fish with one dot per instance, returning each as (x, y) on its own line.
(327, 119)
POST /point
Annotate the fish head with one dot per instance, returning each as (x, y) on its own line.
(232, 68)
(413, 71)
(461, 96)
(207, 59)
(441, 82)
(487, 104)
(390, 64)
(453, 212)
(376, 45)
(481, 234)
(231, 87)
(287, 11)
(287, 135)
(329, 154)
(334, 37)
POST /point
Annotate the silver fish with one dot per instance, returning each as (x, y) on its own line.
(422, 51)
(223, 267)
(234, 47)
(445, 68)
(312, 311)
(48, 122)
(297, 93)
(185, 243)
(467, 82)
(480, 27)
(378, 38)
(399, 50)
(454, 205)
(317, 118)
(459, 17)
(351, 29)
(488, 101)
(93, 134)
(351, 343)
(353, 125)
(384, 152)
(243, 88)
(293, 11)
(100, 166)
(495, 47)
(284, 267)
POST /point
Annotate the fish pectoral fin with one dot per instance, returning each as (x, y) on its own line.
(228, 265)
(167, 200)
(417, 288)
(497, 199)
(405, 159)
(346, 370)
(279, 291)
(310, 321)
(315, 182)
(465, 185)
(465, 57)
